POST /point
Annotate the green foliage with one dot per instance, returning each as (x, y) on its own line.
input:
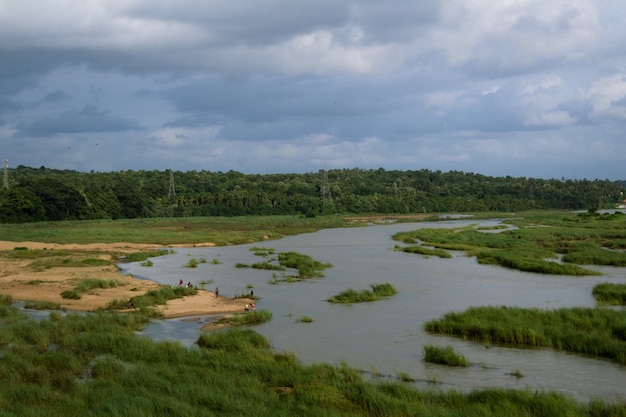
(44, 194)
(378, 292)
(87, 285)
(608, 293)
(305, 319)
(593, 332)
(192, 263)
(421, 250)
(42, 305)
(444, 355)
(95, 365)
(535, 244)
(142, 256)
(307, 267)
(248, 318)
(267, 266)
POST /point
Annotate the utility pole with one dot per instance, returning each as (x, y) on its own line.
(172, 191)
(5, 166)
(326, 196)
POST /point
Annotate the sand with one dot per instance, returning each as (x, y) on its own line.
(24, 283)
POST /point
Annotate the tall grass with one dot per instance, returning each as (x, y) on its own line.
(588, 331)
(307, 267)
(579, 239)
(378, 292)
(87, 285)
(248, 318)
(94, 365)
(444, 355)
(608, 293)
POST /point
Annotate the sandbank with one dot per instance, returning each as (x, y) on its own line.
(24, 283)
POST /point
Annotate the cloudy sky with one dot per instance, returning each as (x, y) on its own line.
(529, 88)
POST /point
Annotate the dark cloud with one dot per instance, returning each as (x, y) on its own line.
(86, 120)
(494, 87)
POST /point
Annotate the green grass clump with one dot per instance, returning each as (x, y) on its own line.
(42, 305)
(305, 319)
(89, 284)
(267, 266)
(307, 267)
(444, 355)
(607, 293)
(533, 242)
(142, 256)
(249, 318)
(378, 292)
(422, 250)
(96, 365)
(192, 263)
(588, 331)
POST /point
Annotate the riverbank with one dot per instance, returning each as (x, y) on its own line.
(24, 280)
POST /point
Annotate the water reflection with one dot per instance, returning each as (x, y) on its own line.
(387, 336)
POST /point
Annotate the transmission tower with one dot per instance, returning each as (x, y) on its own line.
(326, 196)
(172, 191)
(5, 166)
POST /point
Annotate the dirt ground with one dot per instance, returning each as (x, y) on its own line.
(24, 283)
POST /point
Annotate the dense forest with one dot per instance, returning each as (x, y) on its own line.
(44, 194)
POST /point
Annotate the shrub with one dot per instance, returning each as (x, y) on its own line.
(444, 355)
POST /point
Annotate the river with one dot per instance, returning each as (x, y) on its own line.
(387, 337)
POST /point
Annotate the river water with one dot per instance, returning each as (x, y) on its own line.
(387, 337)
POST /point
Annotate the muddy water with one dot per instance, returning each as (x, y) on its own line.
(386, 338)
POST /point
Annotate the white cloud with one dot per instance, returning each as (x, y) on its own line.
(608, 97)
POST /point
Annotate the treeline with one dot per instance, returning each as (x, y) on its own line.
(44, 194)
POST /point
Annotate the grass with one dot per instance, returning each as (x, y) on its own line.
(607, 293)
(378, 292)
(41, 305)
(307, 267)
(444, 355)
(593, 332)
(222, 231)
(87, 285)
(95, 365)
(305, 319)
(152, 298)
(534, 243)
(143, 256)
(248, 318)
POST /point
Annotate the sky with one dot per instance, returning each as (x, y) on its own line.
(521, 88)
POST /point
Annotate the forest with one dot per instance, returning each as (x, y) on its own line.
(45, 194)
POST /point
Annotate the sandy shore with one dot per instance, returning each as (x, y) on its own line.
(24, 282)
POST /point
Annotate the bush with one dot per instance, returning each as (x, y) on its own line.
(444, 355)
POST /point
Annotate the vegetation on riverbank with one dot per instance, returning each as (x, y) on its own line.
(608, 293)
(95, 365)
(547, 243)
(445, 355)
(222, 231)
(588, 331)
(249, 318)
(378, 292)
(87, 285)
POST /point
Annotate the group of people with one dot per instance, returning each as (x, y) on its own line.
(189, 284)
(248, 307)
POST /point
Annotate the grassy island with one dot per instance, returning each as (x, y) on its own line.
(378, 292)
(547, 243)
(588, 331)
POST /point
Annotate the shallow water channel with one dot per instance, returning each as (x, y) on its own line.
(385, 338)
